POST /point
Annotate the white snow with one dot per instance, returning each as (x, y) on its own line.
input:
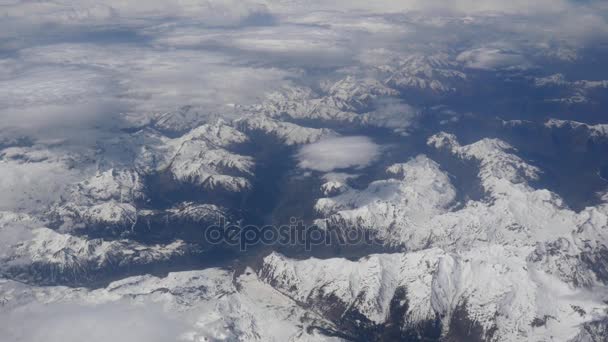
(594, 131)
(288, 133)
(207, 305)
(515, 256)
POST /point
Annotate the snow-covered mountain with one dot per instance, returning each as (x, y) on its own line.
(303, 104)
(598, 132)
(451, 159)
(436, 73)
(35, 254)
(519, 237)
(485, 293)
(202, 158)
(363, 102)
(396, 206)
(285, 132)
(512, 263)
(356, 95)
(209, 305)
(573, 92)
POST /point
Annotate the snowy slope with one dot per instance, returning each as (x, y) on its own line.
(208, 305)
(599, 131)
(579, 91)
(286, 132)
(201, 158)
(419, 191)
(356, 95)
(416, 210)
(108, 198)
(436, 73)
(33, 253)
(489, 290)
(515, 263)
(298, 103)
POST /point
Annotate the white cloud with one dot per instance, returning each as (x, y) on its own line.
(393, 114)
(338, 153)
(462, 6)
(56, 85)
(32, 178)
(551, 19)
(59, 80)
(89, 12)
(286, 44)
(491, 59)
(78, 86)
(116, 322)
(40, 100)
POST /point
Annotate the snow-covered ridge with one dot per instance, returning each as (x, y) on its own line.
(108, 198)
(560, 80)
(298, 103)
(579, 91)
(593, 131)
(333, 188)
(419, 190)
(207, 305)
(109, 204)
(356, 95)
(352, 100)
(366, 286)
(568, 245)
(202, 157)
(286, 132)
(182, 120)
(437, 73)
(496, 159)
(119, 185)
(416, 212)
(490, 287)
(31, 252)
